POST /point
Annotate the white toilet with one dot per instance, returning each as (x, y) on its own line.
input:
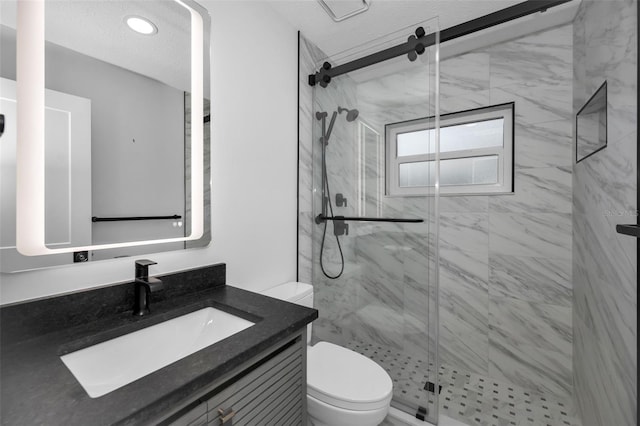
(343, 387)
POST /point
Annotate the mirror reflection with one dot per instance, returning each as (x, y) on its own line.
(117, 129)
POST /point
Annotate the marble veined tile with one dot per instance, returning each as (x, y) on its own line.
(465, 101)
(542, 325)
(604, 194)
(396, 90)
(610, 316)
(548, 144)
(612, 399)
(533, 279)
(536, 104)
(462, 74)
(461, 270)
(305, 247)
(534, 235)
(529, 366)
(537, 190)
(463, 309)
(379, 324)
(464, 348)
(583, 377)
(464, 204)
(541, 58)
(464, 231)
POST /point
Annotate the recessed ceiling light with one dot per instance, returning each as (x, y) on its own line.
(141, 25)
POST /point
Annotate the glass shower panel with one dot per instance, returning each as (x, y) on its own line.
(375, 256)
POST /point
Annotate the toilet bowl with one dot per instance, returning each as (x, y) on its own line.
(343, 387)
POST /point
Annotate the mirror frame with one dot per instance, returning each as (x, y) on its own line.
(30, 164)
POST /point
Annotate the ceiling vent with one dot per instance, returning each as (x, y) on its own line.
(339, 10)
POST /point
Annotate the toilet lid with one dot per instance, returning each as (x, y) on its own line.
(344, 378)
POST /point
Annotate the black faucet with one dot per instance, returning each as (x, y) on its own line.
(144, 286)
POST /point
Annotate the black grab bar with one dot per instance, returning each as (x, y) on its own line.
(117, 219)
(321, 218)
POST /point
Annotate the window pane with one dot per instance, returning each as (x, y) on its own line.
(416, 174)
(469, 171)
(416, 143)
(458, 171)
(479, 134)
(474, 135)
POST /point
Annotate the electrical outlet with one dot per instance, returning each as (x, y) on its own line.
(80, 256)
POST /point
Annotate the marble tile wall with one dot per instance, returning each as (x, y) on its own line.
(605, 191)
(505, 260)
(336, 299)
(381, 297)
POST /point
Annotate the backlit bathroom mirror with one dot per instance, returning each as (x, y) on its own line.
(112, 158)
(591, 125)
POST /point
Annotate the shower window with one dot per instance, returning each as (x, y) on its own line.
(476, 153)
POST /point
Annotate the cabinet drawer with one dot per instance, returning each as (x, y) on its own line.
(270, 393)
(195, 417)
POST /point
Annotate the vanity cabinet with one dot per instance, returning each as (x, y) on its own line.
(270, 389)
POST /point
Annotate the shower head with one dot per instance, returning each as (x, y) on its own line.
(352, 114)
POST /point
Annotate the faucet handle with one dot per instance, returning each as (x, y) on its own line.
(154, 285)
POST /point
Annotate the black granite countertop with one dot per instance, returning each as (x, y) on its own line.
(37, 388)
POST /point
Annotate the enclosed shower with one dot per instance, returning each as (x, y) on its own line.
(374, 257)
(448, 230)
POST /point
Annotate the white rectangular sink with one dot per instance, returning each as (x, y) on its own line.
(109, 365)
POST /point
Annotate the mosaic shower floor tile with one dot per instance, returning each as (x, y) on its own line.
(470, 398)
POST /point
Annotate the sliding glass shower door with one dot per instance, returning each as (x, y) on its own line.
(374, 233)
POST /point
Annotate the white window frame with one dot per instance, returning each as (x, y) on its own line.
(504, 152)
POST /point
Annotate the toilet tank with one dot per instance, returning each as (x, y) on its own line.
(294, 292)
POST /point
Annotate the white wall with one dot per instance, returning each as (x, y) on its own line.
(254, 151)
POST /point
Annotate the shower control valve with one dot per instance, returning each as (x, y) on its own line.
(340, 227)
(341, 201)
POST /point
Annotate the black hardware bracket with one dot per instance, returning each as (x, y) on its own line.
(417, 44)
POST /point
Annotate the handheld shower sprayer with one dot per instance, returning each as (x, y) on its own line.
(352, 114)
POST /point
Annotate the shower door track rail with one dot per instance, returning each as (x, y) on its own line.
(422, 41)
(321, 218)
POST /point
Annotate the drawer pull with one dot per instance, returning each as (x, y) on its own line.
(226, 416)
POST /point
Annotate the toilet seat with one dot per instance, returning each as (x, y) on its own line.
(343, 378)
